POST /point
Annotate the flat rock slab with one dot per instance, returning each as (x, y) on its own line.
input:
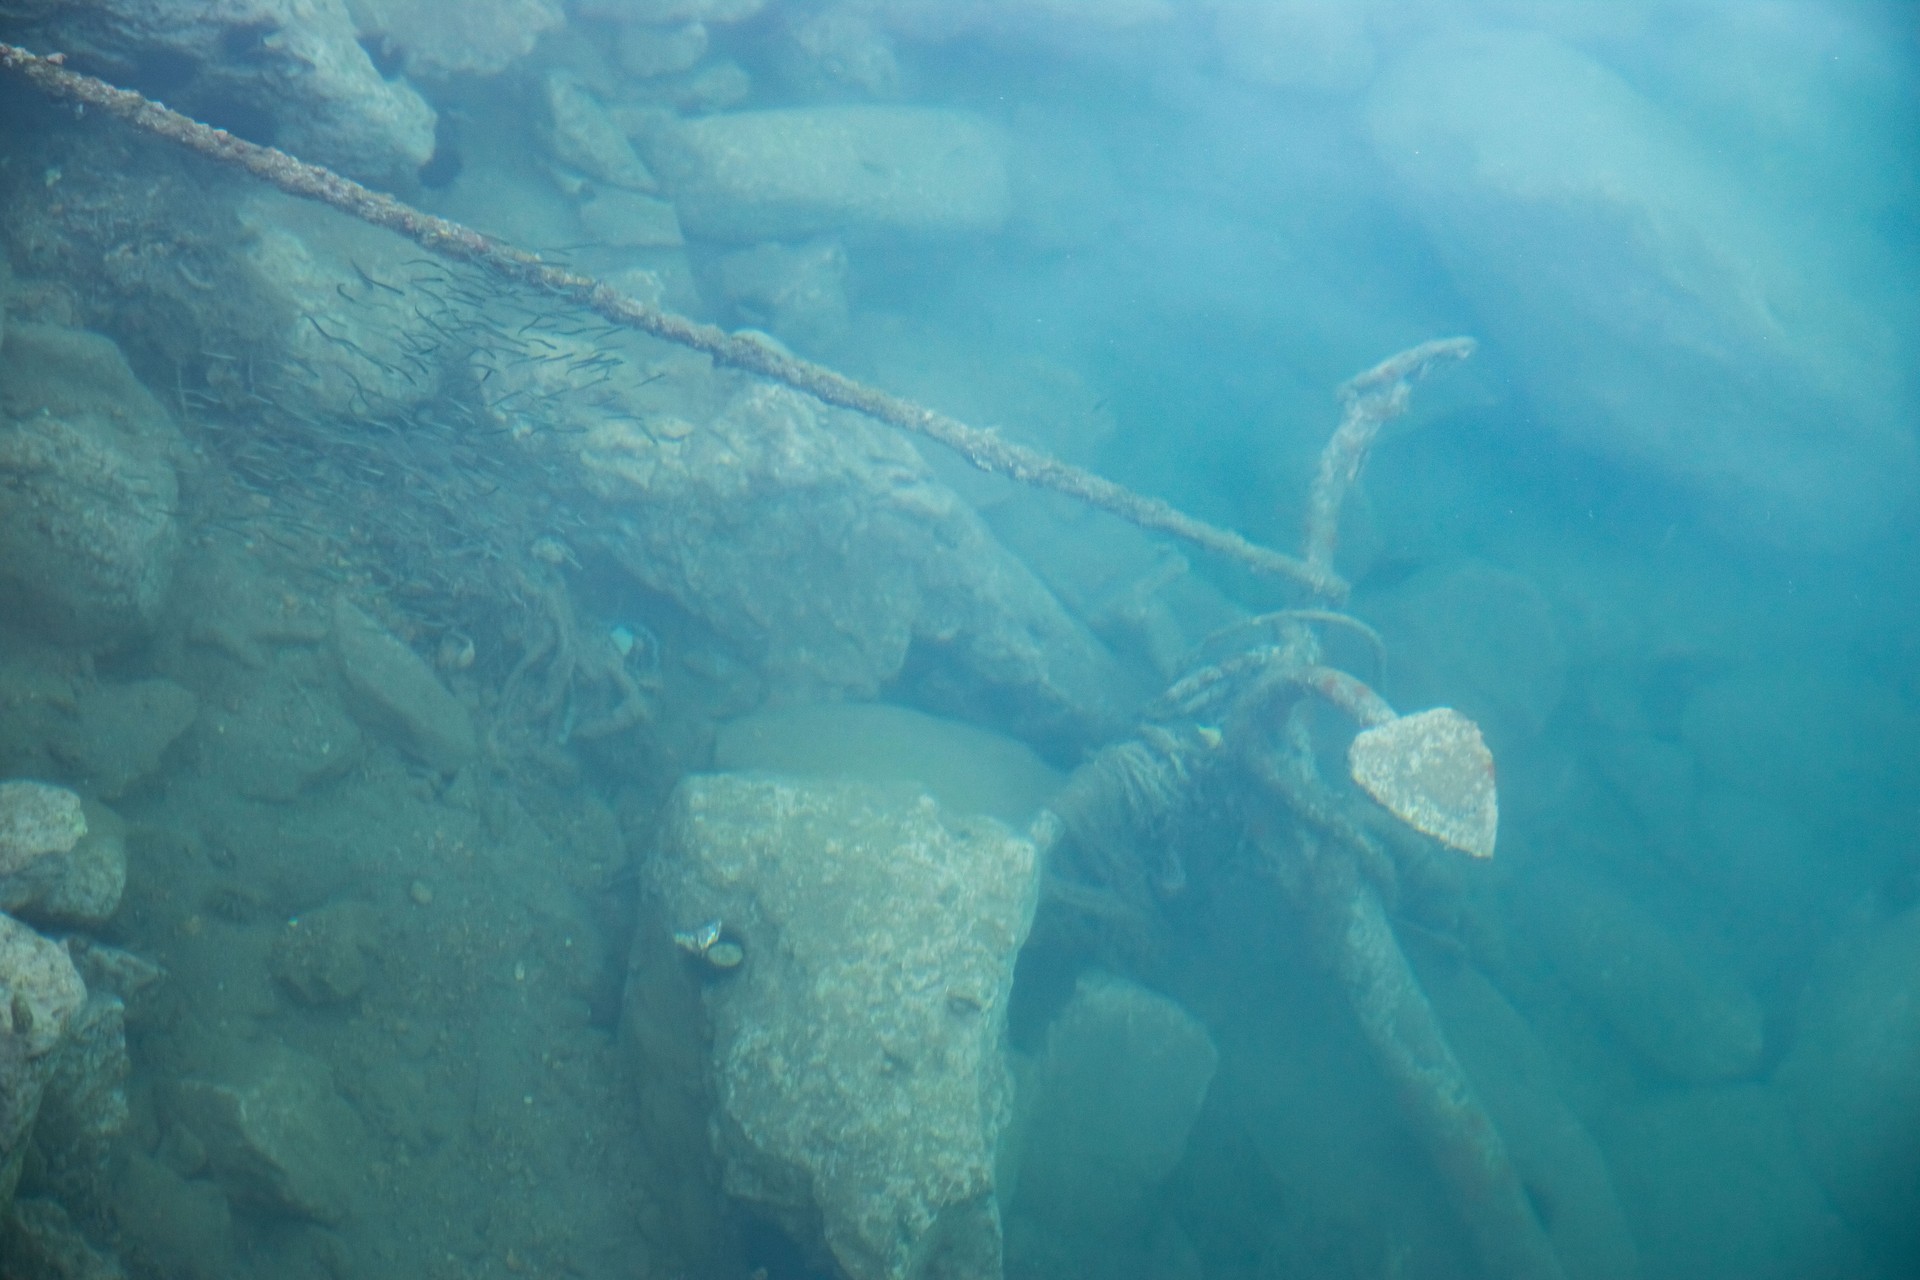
(857, 1051)
(395, 692)
(784, 175)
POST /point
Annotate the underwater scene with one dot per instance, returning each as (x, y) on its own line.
(959, 640)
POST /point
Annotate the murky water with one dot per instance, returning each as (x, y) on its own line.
(493, 783)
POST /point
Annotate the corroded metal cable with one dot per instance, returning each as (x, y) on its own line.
(984, 449)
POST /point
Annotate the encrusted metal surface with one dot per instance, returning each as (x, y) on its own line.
(1432, 770)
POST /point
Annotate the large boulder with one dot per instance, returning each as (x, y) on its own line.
(88, 533)
(854, 946)
(346, 310)
(822, 548)
(788, 174)
(1658, 312)
(288, 72)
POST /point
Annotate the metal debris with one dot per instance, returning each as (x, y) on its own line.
(1432, 770)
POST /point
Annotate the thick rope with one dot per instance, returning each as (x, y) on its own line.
(985, 450)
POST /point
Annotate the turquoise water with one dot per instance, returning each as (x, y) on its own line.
(558, 803)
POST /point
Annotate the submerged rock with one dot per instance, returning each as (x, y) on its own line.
(857, 1065)
(37, 821)
(1717, 1188)
(44, 994)
(395, 692)
(581, 136)
(829, 52)
(474, 37)
(1110, 1103)
(796, 291)
(1801, 735)
(271, 723)
(1659, 313)
(352, 342)
(1852, 1078)
(966, 768)
(85, 1106)
(77, 885)
(288, 734)
(1557, 1159)
(1301, 46)
(648, 51)
(824, 550)
(277, 1135)
(182, 1225)
(88, 533)
(121, 731)
(37, 1238)
(793, 173)
(287, 72)
(320, 957)
(629, 219)
(1680, 1007)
